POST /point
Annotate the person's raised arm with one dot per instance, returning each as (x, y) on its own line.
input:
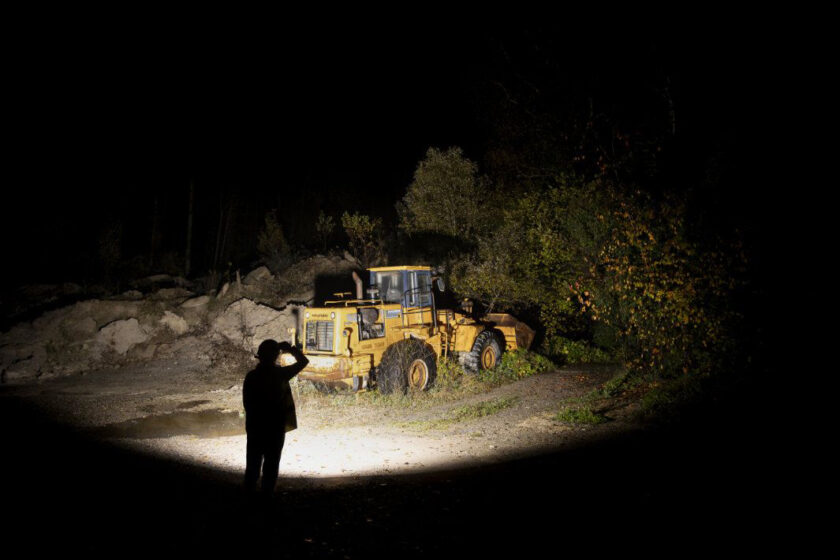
(300, 360)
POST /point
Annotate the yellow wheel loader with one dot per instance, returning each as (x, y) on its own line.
(392, 339)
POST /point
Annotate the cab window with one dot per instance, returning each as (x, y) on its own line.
(390, 286)
(420, 289)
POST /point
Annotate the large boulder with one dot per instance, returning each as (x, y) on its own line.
(174, 323)
(257, 276)
(22, 363)
(247, 324)
(78, 318)
(168, 294)
(195, 302)
(120, 336)
(68, 339)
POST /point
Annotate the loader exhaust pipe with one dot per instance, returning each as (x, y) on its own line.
(358, 281)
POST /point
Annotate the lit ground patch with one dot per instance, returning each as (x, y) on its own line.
(326, 453)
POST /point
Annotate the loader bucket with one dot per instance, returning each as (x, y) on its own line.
(517, 334)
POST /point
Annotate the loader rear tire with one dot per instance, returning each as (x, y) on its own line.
(486, 352)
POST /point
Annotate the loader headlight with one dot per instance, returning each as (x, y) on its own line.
(332, 315)
(306, 314)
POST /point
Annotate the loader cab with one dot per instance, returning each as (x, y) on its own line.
(407, 286)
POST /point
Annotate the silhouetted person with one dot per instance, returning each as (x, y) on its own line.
(269, 412)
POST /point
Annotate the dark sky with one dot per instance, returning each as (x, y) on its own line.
(100, 118)
(128, 109)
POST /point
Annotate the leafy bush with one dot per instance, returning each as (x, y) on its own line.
(515, 365)
(617, 385)
(600, 254)
(450, 375)
(675, 398)
(574, 351)
(665, 294)
(579, 415)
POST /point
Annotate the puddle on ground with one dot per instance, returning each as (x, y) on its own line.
(203, 423)
(65, 392)
(191, 404)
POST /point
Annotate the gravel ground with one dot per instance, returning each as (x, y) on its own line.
(148, 459)
(174, 410)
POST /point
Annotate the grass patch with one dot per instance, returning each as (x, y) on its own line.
(451, 383)
(462, 414)
(484, 408)
(673, 399)
(619, 385)
(579, 415)
(516, 365)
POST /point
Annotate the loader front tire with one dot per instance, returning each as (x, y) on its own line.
(408, 364)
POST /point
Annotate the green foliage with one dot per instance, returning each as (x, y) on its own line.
(493, 274)
(364, 236)
(515, 365)
(483, 408)
(579, 415)
(665, 294)
(562, 239)
(447, 196)
(599, 261)
(617, 385)
(463, 413)
(574, 351)
(450, 375)
(672, 399)
(592, 253)
(324, 228)
(542, 245)
(271, 243)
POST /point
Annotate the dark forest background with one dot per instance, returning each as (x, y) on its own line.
(108, 127)
(654, 133)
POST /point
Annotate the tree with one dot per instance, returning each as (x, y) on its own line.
(363, 233)
(447, 196)
(271, 243)
(490, 274)
(190, 214)
(110, 251)
(324, 227)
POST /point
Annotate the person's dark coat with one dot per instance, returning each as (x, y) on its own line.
(267, 398)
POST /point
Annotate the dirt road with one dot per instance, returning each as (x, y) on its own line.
(171, 410)
(149, 459)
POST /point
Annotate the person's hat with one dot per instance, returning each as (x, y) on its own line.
(268, 350)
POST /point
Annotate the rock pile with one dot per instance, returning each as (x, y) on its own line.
(167, 319)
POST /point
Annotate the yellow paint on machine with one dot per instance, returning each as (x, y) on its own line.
(364, 330)
(333, 368)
